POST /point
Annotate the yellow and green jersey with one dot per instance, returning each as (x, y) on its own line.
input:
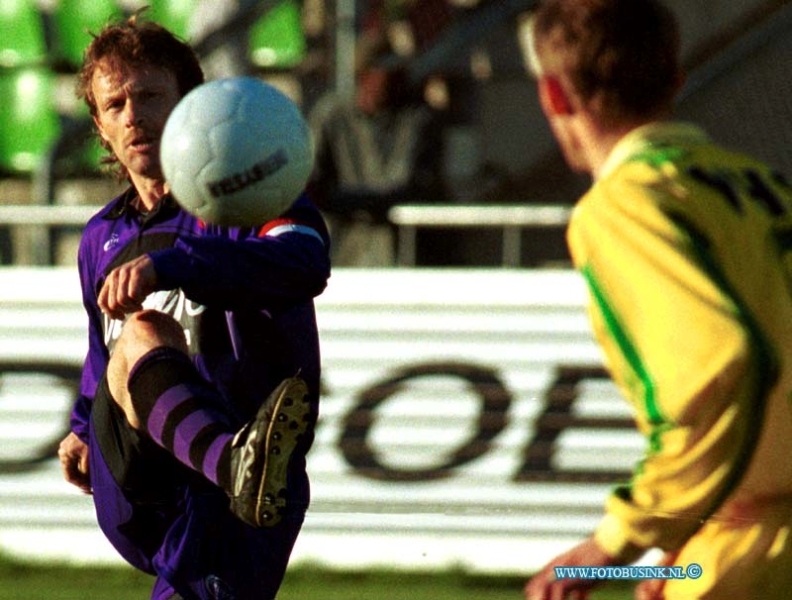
(687, 251)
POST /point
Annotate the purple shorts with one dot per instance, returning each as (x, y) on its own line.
(179, 528)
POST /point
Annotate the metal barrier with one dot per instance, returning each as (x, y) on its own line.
(51, 216)
(406, 218)
(511, 219)
(41, 221)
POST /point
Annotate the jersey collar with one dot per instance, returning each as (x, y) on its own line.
(641, 139)
(124, 206)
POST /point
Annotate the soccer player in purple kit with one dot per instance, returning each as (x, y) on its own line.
(200, 388)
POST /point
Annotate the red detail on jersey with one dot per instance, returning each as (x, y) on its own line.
(273, 224)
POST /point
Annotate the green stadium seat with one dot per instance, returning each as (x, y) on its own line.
(74, 21)
(30, 121)
(22, 36)
(172, 14)
(277, 40)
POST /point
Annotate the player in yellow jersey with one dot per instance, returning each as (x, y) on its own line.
(687, 251)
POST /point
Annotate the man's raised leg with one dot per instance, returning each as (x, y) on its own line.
(161, 393)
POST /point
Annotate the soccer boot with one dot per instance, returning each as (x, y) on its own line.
(260, 454)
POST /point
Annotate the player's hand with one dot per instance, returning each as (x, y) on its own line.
(73, 455)
(653, 589)
(545, 586)
(650, 589)
(127, 286)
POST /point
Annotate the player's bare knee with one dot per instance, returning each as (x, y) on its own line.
(117, 377)
(143, 332)
(149, 329)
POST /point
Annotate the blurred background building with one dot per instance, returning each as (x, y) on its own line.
(465, 57)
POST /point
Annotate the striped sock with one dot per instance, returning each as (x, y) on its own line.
(181, 413)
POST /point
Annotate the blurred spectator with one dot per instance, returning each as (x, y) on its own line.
(231, 58)
(381, 149)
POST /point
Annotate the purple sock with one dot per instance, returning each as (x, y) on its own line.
(182, 413)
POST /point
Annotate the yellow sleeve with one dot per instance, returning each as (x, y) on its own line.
(675, 343)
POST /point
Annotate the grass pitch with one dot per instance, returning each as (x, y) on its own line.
(22, 581)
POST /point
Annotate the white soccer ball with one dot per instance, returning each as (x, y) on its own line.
(236, 152)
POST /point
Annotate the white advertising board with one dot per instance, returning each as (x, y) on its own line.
(466, 420)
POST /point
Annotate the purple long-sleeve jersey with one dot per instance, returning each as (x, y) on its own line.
(228, 287)
(244, 297)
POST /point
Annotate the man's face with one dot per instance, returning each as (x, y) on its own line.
(569, 143)
(564, 114)
(132, 106)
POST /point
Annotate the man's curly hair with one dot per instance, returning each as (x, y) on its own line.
(136, 42)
